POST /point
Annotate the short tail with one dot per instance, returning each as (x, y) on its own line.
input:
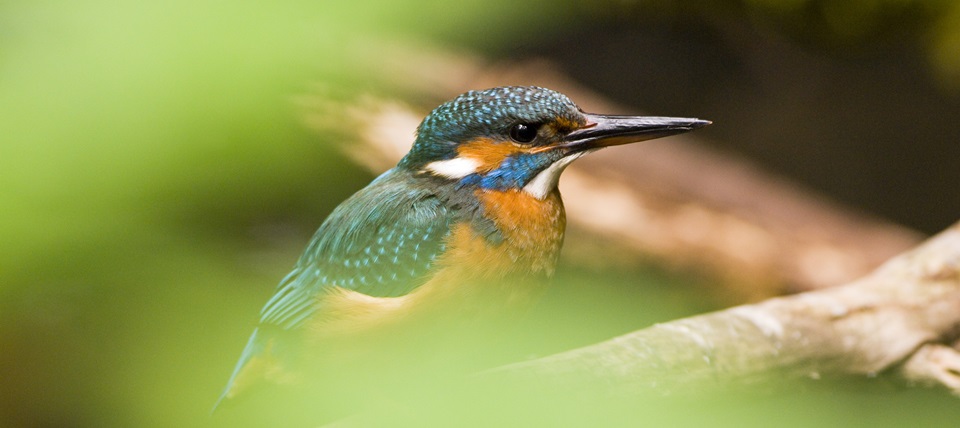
(255, 347)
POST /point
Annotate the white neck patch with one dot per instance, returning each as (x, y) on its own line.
(546, 181)
(457, 167)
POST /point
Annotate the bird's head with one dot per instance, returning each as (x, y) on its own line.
(521, 137)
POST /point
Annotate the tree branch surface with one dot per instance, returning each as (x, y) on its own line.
(907, 311)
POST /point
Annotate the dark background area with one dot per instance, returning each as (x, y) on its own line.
(862, 121)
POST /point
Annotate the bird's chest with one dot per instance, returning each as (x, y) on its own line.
(476, 273)
(509, 269)
(531, 231)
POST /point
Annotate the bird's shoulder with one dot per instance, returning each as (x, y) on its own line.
(380, 242)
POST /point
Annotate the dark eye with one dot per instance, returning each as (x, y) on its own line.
(523, 132)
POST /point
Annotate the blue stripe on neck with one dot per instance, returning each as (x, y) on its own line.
(514, 173)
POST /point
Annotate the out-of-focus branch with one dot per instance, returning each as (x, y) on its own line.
(904, 312)
(898, 318)
(675, 200)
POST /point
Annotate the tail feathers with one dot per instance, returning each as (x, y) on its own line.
(242, 372)
(268, 356)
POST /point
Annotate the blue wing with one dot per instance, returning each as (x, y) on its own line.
(379, 242)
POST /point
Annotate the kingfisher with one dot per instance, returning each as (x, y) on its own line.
(469, 222)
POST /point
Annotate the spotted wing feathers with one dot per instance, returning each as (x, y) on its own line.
(380, 242)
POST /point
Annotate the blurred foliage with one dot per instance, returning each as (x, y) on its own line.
(155, 180)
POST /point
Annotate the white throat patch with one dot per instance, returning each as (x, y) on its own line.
(453, 168)
(546, 181)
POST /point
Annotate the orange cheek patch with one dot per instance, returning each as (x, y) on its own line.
(490, 153)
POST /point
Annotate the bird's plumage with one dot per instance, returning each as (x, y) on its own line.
(469, 213)
(485, 114)
(380, 242)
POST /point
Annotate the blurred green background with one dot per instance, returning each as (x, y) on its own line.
(156, 180)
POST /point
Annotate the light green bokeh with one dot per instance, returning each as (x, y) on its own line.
(140, 146)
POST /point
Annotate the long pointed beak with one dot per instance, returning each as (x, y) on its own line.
(604, 130)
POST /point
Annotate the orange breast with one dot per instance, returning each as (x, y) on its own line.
(532, 228)
(473, 275)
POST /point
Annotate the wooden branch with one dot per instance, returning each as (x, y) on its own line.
(905, 311)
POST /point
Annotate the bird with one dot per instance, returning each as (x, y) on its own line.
(469, 222)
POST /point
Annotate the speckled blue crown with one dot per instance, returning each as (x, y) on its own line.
(485, 113)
